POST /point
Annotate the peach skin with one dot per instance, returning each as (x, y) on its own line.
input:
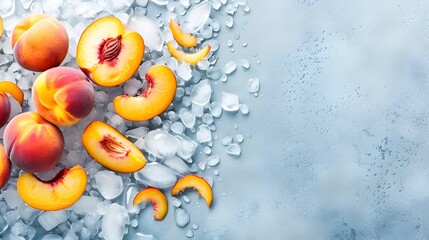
(108, 52)
(39, 42)
(5, 167)
(156, 198)
(191, 58)
(112, 149)
(183, 39)
(4, 109)
(196, 182)
(63, 96)
(1, 26)
(158, 95)
(58, 193)
(32, 143)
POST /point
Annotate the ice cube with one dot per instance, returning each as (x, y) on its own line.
(113, 223)
(230, 67)
(213, 160)
(12, 197)
(137, 133)
(132, 86)
(160, 2)
(229, 22)
(253, 85)
(204, 134)
(91, 219)
(189, 233)
(73, 158)
(175, 202)
(177, 165)
(27, 213)
(109, 184)
(181, 217)
(245, 63)
(230, 102)
(244, 109)
(188, 119)
(207, 32)
(85, 204)
(161, 143)
(70, 235)
(196, 17)
(177, 127)
(127, 201)
(116, 6)
(215, 109)
(50, 219)
(142, 3)
(184, 71)
(148, 29)
(234, 149)
(51, 236)
(187, 147)
(201, 93)
(240, 138)
(214, 73)
(19, 229)
(156, 175)
(142, 236)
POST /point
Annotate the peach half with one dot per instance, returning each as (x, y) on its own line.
(196, 182)
(156, 198)
(109, 52)
(4, 109)
(191, 58)
(58, 193)
(32, 143)
(5, 167)
(112, 149)
(63, 95)
(183, 39)
(39, 42)
(158, 95)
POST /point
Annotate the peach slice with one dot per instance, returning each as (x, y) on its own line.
(196, 182)
(32, 143)
(109, 52)
(58, 193)
(5, 167)
(1, 26)
(156, 198)
(4, 109)
(160, 91)
(12, 89)
(39, 42)
(112, 149)
(183, 39)
(191, 58)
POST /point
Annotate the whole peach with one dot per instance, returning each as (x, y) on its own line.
(63, 95)
(32, 143)
(39, 42)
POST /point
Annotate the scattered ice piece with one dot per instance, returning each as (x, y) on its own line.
(184, 71)
(177, 127)
(230, 67)
(204, 134)
(240, 138)
(134, 223)
(182, 218)
(234, 149)
(244, 109)
(151, 33)
(187, 147)
(85, 204)
(85, 234)
(253, 85)
(229, 22)
(197, 110)
(202, 166)
(216, 172)
(74, 158)
(230, 102)
(196, 17)
(223, 78)
(186, 199)
(160, 2)
(142, 236)
(230, 43)
(161, 144)
(70, 235)
(50, 219)
(207, 118)
(142, 3)
(130, 192)
(156, 175)
(19, 229)
(201, 93)
(109, 184)
(132, 86)
(188, 119)
(27, 214)
(230, 9)
(209, 180)
(207, 150)
(214, 73)
(195, 226)
(177, 165)
(113, 223)
(207, 32)
(189, 233)
(213, 160)
(245, 63)
(12, 197)
(137, 133)
(91, 219)
(175, 202)
(51, 236)
(226, 140)
(214, 44)
(216, 109)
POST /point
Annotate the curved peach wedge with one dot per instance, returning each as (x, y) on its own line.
(183, 39)
(4, 109)
(112, 149)
(32, 143)
(39, 42)
(109, 52)
(12, 89)
(5, 167)
(58, 193)
(156, 198)
(63, 95)
(1, 26)
(158, 95)
(191, 58)
(196, 182)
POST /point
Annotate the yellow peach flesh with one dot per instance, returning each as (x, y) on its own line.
(12, 89)
(183, 39)
(5, 167)
(56, 194)
(191, 58)
(112, 149)
(156, 198)
(1, 26)
(154, 99)
(195, 182)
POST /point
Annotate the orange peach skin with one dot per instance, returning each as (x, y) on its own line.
(196, 182)
(112, 149)
(156, 198)
(5, 167)
(191, 58)
(32, 143)
(39, 42)
(63, 96)
(4, 109)
(109, 52)
(153, 100)
(58, 193)
(12, 89)
(183, 39)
